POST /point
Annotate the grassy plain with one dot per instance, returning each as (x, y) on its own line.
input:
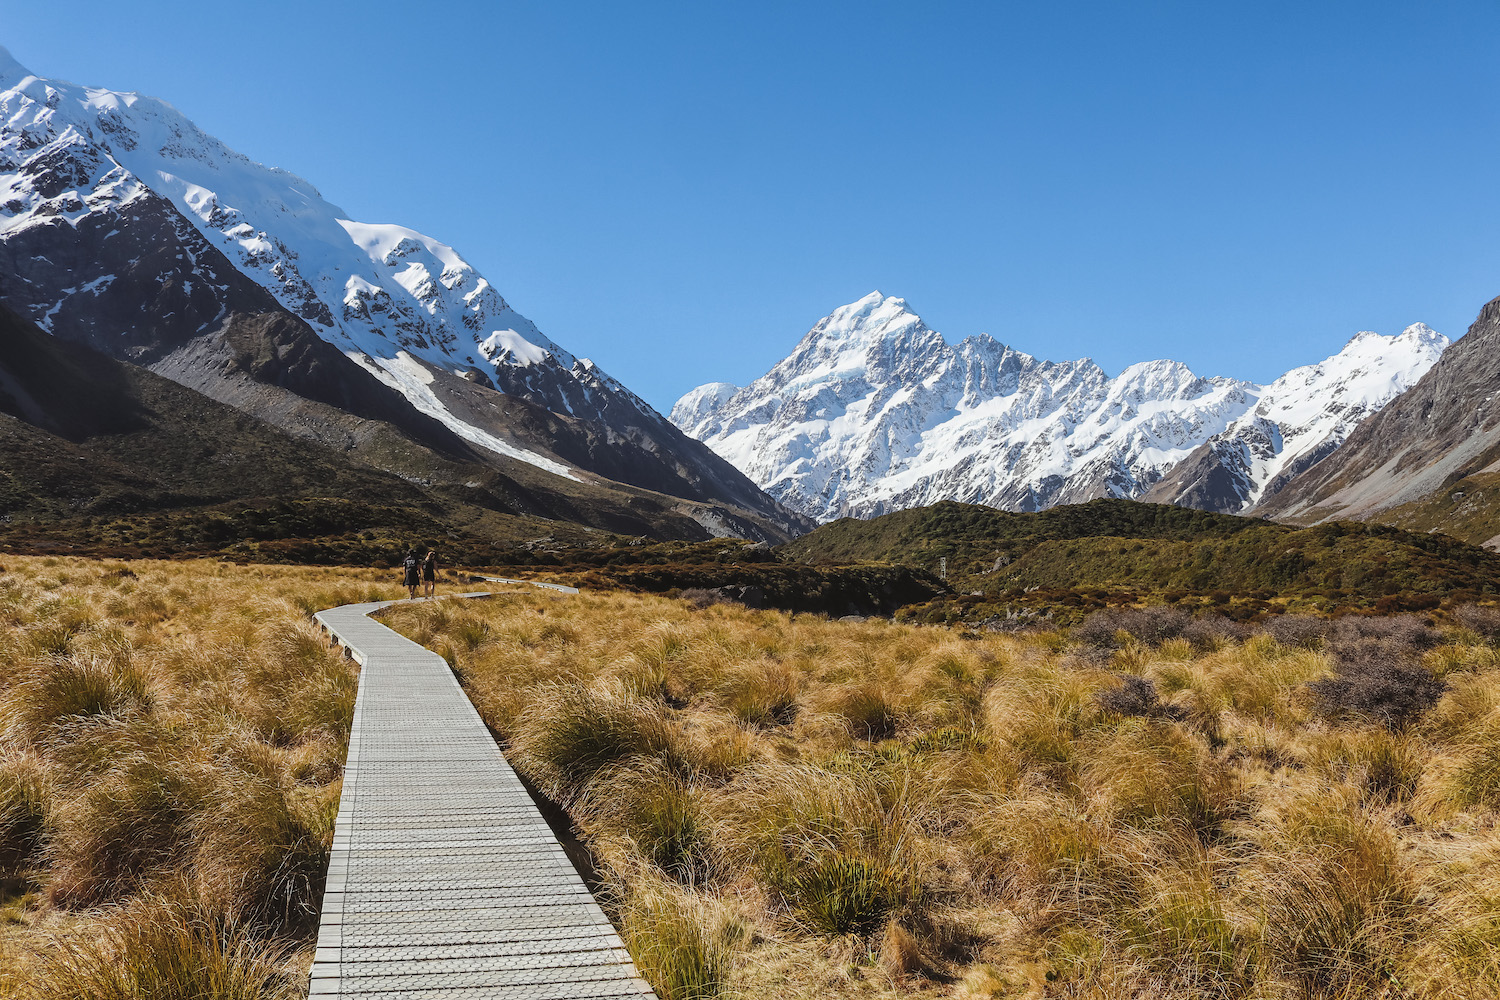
(795, 807)
(1149, 805)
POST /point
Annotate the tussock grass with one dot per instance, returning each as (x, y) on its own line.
(1166, 809)
(678, 943)
(661, 812)
(173, 736)
(162, 949)
(60, 689)
(569, 734)
(1151, 774)
(23, 811)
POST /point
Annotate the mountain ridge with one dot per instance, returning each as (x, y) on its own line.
(1426, 460)
(125, 227)
(872, 412)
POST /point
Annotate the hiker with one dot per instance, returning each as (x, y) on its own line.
(429, 573)
(411, 573)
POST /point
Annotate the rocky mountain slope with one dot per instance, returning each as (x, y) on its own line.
(1429, 461)
(108, 457)
(126, 228)
(874, 412)
(1301, 418)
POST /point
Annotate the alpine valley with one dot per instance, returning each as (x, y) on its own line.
(874, 412)
(125, 230)
(295, 355)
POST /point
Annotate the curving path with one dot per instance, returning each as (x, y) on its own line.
(445, 881)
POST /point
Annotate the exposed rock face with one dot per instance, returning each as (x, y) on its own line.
(875, 412)
(1445, 428)
(125, 227)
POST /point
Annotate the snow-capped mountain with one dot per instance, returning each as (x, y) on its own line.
(1427, 462)
(874, 412)
(1301, 419)
(126, 227)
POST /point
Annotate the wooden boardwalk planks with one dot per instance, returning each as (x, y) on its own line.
(445, 881)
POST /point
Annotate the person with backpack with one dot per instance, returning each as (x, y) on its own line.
(429, 573)
(411, 573)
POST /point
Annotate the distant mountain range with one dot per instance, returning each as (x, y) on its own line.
(874, 412)
(126, 229)
(105, 457)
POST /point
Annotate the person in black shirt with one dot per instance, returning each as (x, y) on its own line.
(429, 573)
(411, 573)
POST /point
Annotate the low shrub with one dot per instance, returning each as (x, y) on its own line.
(1392, 693)
(1213, 632)
(1403, 635)
(1136, 696)
(1297, 631)
(1481, 619)
(1151, 625)
(704, 597)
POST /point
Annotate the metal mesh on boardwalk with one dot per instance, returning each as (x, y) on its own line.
(445, 881)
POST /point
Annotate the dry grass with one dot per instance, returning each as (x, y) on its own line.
(779, 805)
(173, 736)
(795, 807)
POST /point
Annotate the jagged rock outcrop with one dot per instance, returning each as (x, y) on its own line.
(1301, 418)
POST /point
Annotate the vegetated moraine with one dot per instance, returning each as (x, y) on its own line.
(1122, 551)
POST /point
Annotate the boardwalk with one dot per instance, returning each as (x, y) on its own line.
(445, 881)
(532, 583)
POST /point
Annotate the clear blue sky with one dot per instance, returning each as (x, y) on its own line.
(679, 190)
